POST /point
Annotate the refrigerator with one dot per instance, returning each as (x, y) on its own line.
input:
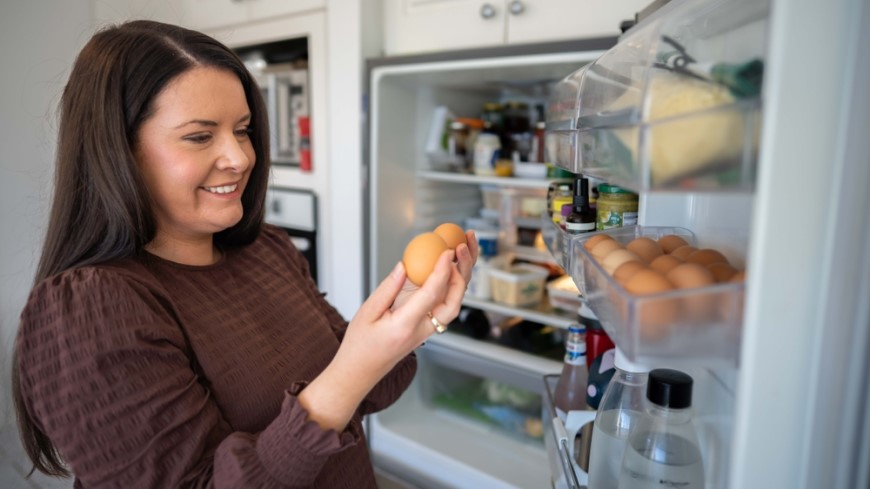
(781, 394)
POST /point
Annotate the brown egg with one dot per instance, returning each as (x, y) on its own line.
(671, 242)
(616, 258)
(722, 272)
(594, 240)
(690, 275)
(420, 256)
(655, 316)
(452, 234)
(626, 271)
(604, 248)
(664, 263)
(738, 277)
(700, 306)
(683, 252)
(706, 256)
(645, 248)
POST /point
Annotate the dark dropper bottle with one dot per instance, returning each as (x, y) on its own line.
(582, 218)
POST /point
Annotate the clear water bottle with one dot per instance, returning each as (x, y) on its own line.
(570, 391)
(662, 450)
(621, 407)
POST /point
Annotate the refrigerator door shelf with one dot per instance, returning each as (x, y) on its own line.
(697, 326)
(675, 105)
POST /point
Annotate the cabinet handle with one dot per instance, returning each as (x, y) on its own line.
(517, 7)
(487, 11)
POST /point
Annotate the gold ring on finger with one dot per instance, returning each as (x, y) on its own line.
(439, 328)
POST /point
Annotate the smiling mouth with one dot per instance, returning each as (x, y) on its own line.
(225, 189)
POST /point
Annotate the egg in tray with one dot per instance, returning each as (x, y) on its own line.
(658, 295)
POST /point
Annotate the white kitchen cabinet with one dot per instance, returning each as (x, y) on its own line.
(209, 14)
(204, 15)
(417, 26)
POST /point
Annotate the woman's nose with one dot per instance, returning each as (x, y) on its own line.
(233, 156)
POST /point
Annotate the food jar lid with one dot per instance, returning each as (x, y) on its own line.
(669, 388)
(492, 106)
(606, 188)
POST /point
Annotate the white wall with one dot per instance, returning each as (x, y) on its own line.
(39, 40)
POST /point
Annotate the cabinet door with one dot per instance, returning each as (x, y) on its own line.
(263, 9)
(550, 20)
(113, 11)
(209, 14)
(417, 26)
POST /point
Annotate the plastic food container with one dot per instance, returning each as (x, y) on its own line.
(519, 285)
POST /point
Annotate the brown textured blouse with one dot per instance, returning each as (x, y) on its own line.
(150, 374)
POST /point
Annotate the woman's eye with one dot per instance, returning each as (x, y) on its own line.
(244, 131)
(198, 138)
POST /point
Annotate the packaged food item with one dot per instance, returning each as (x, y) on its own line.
(519, 285)
(456, 146)
(561, 196)
(616, 207)
(487, 149)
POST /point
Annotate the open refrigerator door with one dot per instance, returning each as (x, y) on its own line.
(678, 112)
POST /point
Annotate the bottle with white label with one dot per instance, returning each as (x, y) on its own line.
(621, 407)
(662, 450)
(570, 391)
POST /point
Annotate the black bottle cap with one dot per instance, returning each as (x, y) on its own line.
(669, 388)
(581, 192)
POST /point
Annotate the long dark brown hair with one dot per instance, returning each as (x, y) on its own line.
(101, 209)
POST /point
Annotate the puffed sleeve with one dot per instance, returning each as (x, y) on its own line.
(388, 390)
(108, 376)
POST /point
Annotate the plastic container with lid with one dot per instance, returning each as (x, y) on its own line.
(487, 149)
(662, 448)
(615, 207)
(519, 285)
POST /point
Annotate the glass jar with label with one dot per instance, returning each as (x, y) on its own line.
(456, 146)
(563, 195)
(493, 117)
(615, 207)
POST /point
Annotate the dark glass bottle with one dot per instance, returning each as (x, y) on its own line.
(582, 217)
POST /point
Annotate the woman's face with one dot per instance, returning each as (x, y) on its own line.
(196, 155)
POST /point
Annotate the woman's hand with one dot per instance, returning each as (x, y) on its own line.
(389, 325)
(466, 257)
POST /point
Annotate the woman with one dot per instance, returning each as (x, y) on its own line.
(172, 339)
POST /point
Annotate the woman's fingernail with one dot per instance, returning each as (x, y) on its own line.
(397, 272)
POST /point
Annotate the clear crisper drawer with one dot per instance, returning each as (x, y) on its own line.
(697, 325)
(674, 105)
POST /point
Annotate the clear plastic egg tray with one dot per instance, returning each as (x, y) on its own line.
(700, 325)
